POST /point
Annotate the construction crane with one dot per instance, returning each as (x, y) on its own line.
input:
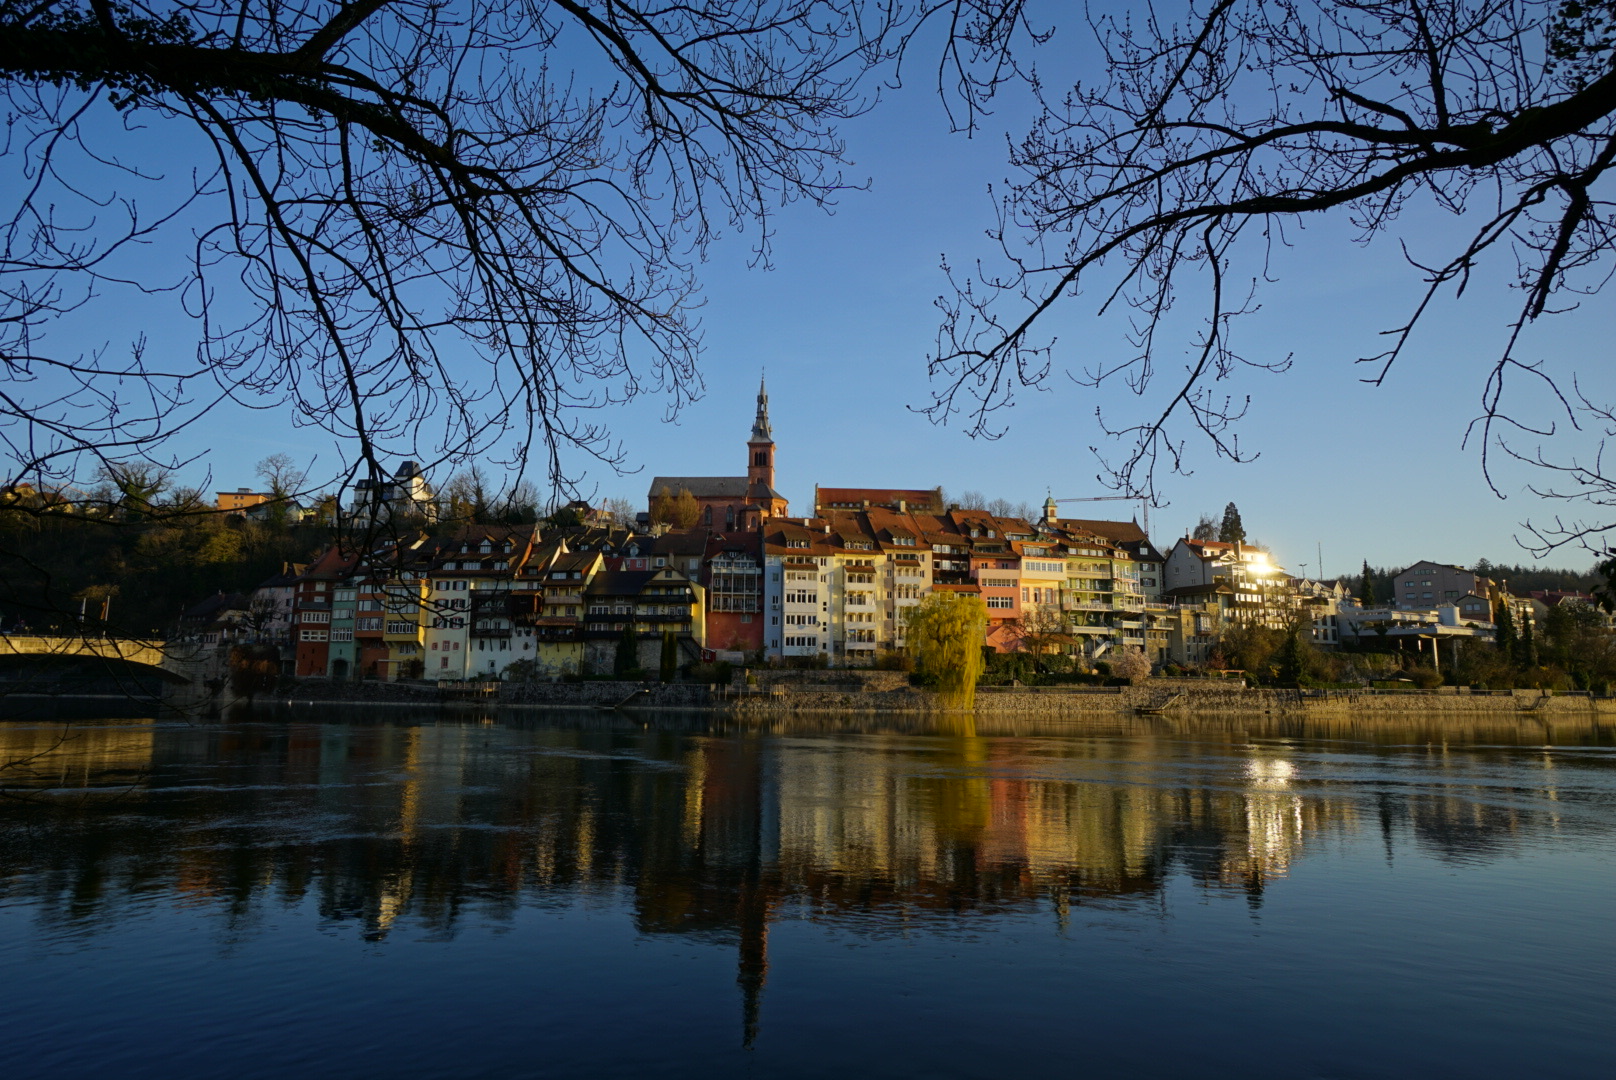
(1144, 506)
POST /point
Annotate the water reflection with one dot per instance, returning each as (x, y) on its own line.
(719, 834)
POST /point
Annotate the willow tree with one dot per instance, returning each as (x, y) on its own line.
(945, 634)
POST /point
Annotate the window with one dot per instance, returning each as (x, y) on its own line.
(314, 635)
(316, 617)
(374, 623)
(400, 627)
(342, 635)
(1001, 601)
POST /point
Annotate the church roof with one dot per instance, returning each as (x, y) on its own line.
(708, 487)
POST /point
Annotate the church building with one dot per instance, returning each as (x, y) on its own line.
(733, 502)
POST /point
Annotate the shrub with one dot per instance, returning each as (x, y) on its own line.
(718, 672)
(891, 660)
(1133, 666)
(1426, 678)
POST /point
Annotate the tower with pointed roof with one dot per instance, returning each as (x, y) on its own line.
(733, 502)
(760, 447)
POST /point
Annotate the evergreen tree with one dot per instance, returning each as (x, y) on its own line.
(1505, 638)
(670, 656)
(1291, 661)
(1526, 645)
(628, 651)
(1366, 588)
(1231, 531)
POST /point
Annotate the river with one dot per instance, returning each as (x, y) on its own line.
(329, 892)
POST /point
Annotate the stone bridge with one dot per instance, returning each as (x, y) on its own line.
(151, 654)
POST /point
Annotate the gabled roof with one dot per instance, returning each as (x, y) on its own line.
(1433, 562)
(679, 542)
(1118, 532)
(858, 498)
(214, 606)
(702, 487)
(619, 582)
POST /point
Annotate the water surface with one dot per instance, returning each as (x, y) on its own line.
(361, 893)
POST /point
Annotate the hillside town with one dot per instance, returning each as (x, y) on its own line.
(719, 568)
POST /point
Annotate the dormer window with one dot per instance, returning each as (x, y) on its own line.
(486, 547)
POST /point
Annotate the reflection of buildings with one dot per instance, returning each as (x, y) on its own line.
(704, 835)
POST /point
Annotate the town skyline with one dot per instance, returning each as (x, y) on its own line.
(708, 443)
(843, 318)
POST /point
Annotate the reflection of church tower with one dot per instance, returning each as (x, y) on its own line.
(760, 447)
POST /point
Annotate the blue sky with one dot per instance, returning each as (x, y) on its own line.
(845, 318)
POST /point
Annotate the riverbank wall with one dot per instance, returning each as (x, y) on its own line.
(779, 694)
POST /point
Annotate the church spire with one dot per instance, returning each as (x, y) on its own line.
(761, 431)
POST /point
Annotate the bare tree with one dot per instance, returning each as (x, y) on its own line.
(424, 230)
(282, 475)
(621, 511)
(1207, 141)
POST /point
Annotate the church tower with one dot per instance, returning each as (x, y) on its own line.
(760, 447)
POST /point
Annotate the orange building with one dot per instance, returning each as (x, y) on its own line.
(241, 500)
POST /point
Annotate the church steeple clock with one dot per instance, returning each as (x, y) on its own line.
(760, 447)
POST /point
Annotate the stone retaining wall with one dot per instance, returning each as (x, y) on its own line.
(608, 695)
(798, 693)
